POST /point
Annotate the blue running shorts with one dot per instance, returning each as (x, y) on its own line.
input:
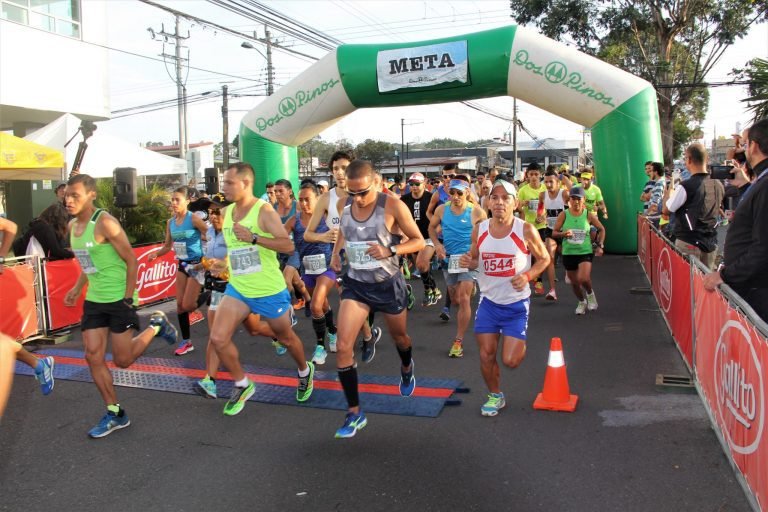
(271, 306)
(507, 319)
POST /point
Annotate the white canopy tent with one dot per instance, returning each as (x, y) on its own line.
(105, 152)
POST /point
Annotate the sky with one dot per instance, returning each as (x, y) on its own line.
(138, 81)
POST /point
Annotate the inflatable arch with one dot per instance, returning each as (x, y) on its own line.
(619, 107)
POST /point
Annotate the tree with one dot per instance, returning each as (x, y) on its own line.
(673, 44)
(376, 151)
(444, 144)
(758, 88)
(316, 147)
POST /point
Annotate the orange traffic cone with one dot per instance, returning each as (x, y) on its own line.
(556, 395)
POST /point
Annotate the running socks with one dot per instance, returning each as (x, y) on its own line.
(329, 322)
(348, 379)
(184, 325)
(319, 324)
(116, 409)
(405, 356)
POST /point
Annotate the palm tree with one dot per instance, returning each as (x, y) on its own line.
(758, 88)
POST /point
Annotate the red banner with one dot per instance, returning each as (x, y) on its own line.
(730, 358)
(644, 245)
(156, 280)
(670, 279)
(19, 316)
(60, 277)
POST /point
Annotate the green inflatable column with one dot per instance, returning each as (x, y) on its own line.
(271, 160)
(622, 142)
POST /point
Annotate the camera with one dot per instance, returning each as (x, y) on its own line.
(720, 172)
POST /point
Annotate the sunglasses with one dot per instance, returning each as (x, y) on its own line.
(359, 192)
(448, 176)
(415, 183)
(455, 192)
(214, 212)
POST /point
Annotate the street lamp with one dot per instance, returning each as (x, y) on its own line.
(249, 46)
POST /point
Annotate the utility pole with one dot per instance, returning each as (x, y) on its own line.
(270, 69)
(181, 90)
(514, 134)
(402, 149)
(225, 128)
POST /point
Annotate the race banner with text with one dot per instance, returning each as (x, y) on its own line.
(730, 357)
(670, 279)
(422, 66)
(60, 277)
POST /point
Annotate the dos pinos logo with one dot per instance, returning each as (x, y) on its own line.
(739, 387)
(156, 278)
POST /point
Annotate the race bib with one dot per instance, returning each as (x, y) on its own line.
(358, 259)
(498, 265)
(577, 237)
(533, 205)
(85, 261)
(551, 222)
(245, 260)
(314, 264)
(180, 248)
(453, 264)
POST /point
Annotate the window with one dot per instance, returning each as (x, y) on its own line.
(58, 16)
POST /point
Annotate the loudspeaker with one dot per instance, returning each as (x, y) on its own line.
(211, 180)
(125, 187)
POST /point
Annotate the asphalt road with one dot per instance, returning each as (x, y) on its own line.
(629, 446)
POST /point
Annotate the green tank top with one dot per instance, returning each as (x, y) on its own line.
(580, 242)
(253, 270)
(104, 268)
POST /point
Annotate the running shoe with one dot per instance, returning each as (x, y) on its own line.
(567, 279)
(445, 315)
(300, 303)
(538, 288)
(369, 347)
(407, 381)
(195, 317)
(591, 301)
(493, 405)
(352, 423)
(416, 274)
(279, 348)
(185, 347)
(44, 374)
(306, 384)
(108, 424)
(427, 299)
(581, 309)
(167, 331)
(205, 388)
(411, 297)
(457, 350)
(437, 296)
(238, 398)
(331, 342)
(552, 295)
(320, 355)
(308, 309)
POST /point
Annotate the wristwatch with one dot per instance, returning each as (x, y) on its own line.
(254, 238)
(129, 301)
(393, 250)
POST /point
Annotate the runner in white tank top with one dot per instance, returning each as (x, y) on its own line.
(552, 202)
(332, 219)
(501, 250)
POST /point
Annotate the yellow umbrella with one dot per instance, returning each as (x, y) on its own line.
(21, 159)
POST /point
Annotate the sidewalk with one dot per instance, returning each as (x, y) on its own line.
(629, 446)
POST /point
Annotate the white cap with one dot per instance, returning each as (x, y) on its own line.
(322, 183)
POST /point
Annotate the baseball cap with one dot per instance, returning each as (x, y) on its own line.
(509, 188)
(577, 191)
(417, 177)
(458, 185)
(322, 183)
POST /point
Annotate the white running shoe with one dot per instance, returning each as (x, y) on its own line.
(581, 309)
(591, 301)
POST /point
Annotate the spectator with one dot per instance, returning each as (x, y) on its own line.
(46, 235)
(656, 193)
(696, 203)
(646, 195)
(322, 187)
(60, 192)
(746, 243)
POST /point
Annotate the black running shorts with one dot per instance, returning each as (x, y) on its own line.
(389, 297)
(571, 261)
(118, 316)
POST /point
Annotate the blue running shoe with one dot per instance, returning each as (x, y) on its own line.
(108, 424)
(369, 347)
(494, 404)
(445, 315)
(44, 374)
(407, 381)
(352, 423)
(167, 331)
(206, 388)
(332, 339)
(279, 347)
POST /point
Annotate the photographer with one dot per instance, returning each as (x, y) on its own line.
(696, 203)
(746, 243)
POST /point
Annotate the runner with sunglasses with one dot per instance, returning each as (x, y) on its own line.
(439, 197)
(456, 220)
(374, 282)
(501, 249)
(327, 208)
(185, 234)
(418, 201)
